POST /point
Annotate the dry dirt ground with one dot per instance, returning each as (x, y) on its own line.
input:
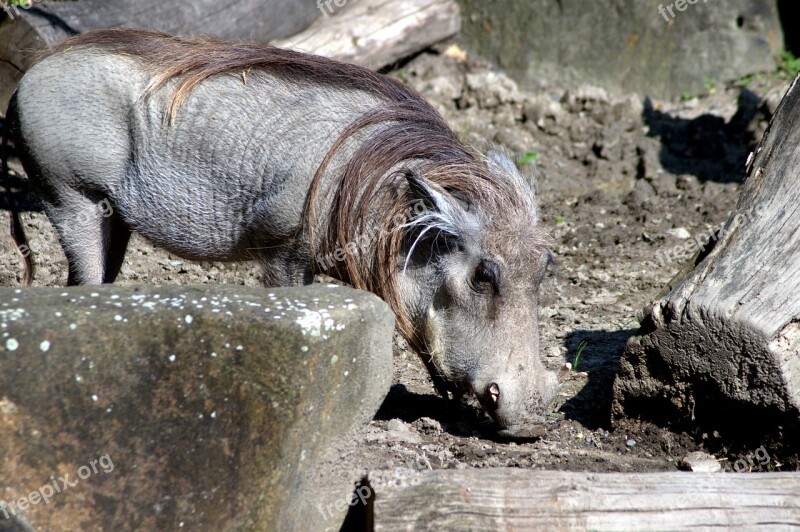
(620, 181)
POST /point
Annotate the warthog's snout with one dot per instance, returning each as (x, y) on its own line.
(519, 409)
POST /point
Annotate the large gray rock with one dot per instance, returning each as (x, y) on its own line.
(625, 45)
(186, 407)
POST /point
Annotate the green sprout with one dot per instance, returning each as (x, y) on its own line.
(745, 81)
(788, 65)
(559, 219)
(528, 157)
(576, 361)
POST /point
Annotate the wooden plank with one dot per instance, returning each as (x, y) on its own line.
(376, 33)
(516, 499)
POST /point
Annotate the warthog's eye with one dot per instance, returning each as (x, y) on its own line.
(486, 277)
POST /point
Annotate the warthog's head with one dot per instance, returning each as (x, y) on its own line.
(470, 281)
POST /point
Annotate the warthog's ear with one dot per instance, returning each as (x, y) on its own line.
(439, 205)
(443, 215)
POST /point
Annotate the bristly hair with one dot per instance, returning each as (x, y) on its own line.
(192, 60)
(404, 134)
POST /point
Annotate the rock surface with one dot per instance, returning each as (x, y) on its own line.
(186, 407)
(625, 45)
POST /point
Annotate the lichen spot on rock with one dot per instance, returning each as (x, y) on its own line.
(310, 322)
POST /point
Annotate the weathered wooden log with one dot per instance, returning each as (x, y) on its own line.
(376, 33)
(724, 343)
(513, 499)
(26, 30)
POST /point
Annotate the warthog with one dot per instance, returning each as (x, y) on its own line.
(227, 151)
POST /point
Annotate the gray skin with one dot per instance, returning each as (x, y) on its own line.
(227, 181)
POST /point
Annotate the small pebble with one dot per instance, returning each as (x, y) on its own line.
(699, 462)
(679, 232)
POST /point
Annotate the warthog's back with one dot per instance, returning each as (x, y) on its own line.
(230, 174)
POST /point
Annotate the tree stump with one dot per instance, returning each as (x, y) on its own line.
(723, 346)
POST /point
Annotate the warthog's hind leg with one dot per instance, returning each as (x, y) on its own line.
(84, 232)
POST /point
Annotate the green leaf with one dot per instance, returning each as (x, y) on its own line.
(789, 64)
(528, 157)
(577, 360)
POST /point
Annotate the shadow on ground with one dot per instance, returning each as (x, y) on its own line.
(707, 147)
(458, 418)
(15, 190)
(591, 406)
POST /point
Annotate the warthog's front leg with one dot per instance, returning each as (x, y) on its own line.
(283, 268)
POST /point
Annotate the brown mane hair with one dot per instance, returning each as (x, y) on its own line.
(404, 131)
(194, 59)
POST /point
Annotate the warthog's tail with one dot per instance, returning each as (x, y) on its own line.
(17, 231)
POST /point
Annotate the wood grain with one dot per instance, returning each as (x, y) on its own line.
(376, 33)
(514, 499)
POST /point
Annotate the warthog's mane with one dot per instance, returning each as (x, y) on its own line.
(404, 134)
(411, 137)
(192, 60)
